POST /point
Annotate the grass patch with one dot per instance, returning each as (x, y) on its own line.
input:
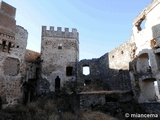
(40, 110)
(90, 115)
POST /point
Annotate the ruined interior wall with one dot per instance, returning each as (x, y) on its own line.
(146, 68)
(58, 50)
(153, 22)
(99, 69)
(93, 69)
(103, 76)
(150, 31)
(120, 57)
(114, 79)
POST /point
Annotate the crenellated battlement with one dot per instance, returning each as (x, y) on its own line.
(59, 32)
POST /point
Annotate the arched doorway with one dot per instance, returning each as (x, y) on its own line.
(57, 83)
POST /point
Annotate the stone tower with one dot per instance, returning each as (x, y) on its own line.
(13, 42)
(59, 53)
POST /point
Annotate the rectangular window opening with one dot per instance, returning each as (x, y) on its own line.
(59, 46)
(86, 70)
(69, 71)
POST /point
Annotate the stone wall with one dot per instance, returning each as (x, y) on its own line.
(134, 65)
(102, 75)
(96, 100)
(13, 69)
(145, 68)
(11, 66)
(7, 22)
(120, 57)
(32, 60)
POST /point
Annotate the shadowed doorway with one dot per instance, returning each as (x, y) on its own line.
(29, 90)
(57, 83)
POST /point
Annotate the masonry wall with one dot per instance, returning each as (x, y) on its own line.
(7, 19)
(134, 65)
(12, 68)
(145, 68)
(120, 57)
(106, 77)
(32, 61)
(59, 50)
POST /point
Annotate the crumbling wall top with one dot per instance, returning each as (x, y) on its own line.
(145, 11)
(59, 32)
(22, 28)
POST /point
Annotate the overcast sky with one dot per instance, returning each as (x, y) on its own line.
(102, 24)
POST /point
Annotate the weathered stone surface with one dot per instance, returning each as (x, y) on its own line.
(59, 50)
(11, 66)
(31, 56)
(97, 99)
(120, 57)
(102, 74)
(145, 67)
(7, 22)
(133, 66)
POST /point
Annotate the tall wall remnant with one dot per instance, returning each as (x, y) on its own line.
(145, 68)
(13, 41)
(139, 56)
(101, 73)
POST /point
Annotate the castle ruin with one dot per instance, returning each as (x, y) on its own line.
(132, 66)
